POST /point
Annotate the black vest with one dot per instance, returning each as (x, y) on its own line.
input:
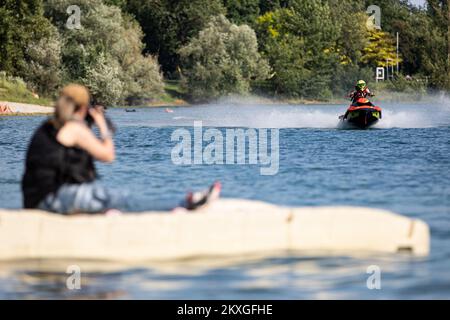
(49, 165)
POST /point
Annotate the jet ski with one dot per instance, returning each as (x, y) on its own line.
(361, 115)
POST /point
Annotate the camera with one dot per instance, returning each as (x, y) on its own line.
(95, 105)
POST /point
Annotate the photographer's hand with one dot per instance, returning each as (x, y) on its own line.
(99, 119)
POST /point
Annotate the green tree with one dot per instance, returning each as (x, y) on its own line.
(422, 44)
(117, 3)
(272, 5)
(300, 43)
(352, 37)
(103, 79)
(106, 52)
(43, 63)
(423, 37)
(438, 62)
(381, 50)
(29, 44)
(242, 11)
(392, 11)
(169, 24)
(222, 60)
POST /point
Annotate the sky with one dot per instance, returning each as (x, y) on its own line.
(418, 2)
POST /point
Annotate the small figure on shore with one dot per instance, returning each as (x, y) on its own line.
(5, 109)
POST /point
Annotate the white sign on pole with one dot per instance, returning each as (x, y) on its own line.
(379, 74)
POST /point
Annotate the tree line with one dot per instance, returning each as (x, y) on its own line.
(316, 49)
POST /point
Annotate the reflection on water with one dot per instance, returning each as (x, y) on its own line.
(281, 277)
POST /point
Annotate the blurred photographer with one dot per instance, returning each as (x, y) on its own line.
(60, 175)
(60, 172)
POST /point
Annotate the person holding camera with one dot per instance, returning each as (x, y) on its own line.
(60, 174)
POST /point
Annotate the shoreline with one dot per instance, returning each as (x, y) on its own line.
(235, 100)
(25, 109)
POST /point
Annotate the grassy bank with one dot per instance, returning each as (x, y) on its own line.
(14, 89)
(174, 95)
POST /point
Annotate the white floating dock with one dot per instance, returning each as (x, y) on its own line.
(226, 227)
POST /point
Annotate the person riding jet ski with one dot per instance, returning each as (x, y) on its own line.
(361, 91)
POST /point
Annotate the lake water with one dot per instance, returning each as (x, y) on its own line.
(403, 165)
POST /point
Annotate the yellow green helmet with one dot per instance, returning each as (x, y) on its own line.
(361, 85)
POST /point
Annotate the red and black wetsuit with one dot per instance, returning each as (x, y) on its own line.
(358, 94)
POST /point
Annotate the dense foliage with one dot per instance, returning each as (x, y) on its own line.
(222, 59)
(292, 48)
(169, 24)
(106, 52)
(29, 44)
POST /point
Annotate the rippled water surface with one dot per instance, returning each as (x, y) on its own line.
(403, 165)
